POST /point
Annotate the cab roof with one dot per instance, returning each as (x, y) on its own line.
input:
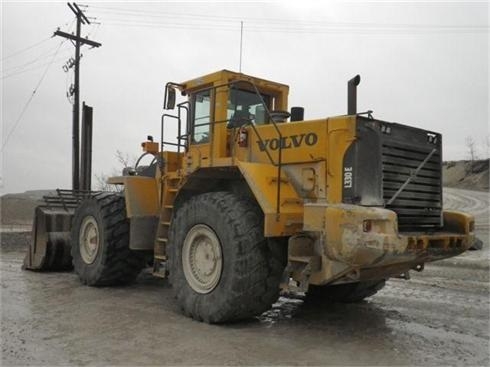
(225, 76)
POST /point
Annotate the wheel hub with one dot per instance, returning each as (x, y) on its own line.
(89, 239)
(202, 259)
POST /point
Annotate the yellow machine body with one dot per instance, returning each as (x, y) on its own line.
(296, 172)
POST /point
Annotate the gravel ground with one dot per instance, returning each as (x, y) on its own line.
(439, 317)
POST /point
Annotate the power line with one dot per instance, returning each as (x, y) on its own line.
(26, 68)
(33, 61)
(27, 48)
(296, 30)
(146, 19)
(167, 15)
(172, 26)
(126, 14)
(29, 100)
(93, 31)
(294, 27)
(14, 69)
(37, 67)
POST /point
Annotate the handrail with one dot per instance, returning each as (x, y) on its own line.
(279, 165)
(162, 142)
(181, 106)
(278, 131)
(184, 106)
(266, 149)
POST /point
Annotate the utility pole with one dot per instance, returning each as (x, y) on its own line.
(78, 42)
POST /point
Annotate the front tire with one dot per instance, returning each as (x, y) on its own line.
(221, 266)
(100, 242)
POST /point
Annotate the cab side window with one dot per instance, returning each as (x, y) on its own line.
(201, 117)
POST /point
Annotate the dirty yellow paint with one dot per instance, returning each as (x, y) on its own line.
(141, 194)
(329, 241)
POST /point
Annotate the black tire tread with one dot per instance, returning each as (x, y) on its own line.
(120, 265)
(254, 283)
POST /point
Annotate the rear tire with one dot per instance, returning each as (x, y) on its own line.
(221, 266)
(345, 293)
(100, 242)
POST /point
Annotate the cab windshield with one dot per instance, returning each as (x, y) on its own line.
(245, 106)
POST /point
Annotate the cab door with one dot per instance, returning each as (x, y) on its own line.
(201, 129)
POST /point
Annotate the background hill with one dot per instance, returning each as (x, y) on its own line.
(466, 175)
(18, 209)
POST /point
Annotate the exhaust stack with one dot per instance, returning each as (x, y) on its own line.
(352, 94)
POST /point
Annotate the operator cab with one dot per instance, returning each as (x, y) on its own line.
(220, 102)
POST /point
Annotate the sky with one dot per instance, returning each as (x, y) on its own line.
(423, 64)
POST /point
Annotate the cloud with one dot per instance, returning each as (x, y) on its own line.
(424, 64)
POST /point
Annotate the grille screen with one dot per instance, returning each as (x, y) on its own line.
(419, 204)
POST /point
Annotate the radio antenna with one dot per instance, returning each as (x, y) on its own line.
(241, 44)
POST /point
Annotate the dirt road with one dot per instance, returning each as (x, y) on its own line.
(440, 316)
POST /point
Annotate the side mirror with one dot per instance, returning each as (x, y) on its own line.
(169, 101)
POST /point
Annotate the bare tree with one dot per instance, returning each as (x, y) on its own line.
(471, 146)
(486, 146)
(124, 160)
(102, 185)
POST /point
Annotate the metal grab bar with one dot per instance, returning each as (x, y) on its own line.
(278, 131)
(181, 106)
(279, 163)
(266, 149)
(162, 139)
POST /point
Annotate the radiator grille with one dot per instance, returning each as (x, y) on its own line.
(419, 205)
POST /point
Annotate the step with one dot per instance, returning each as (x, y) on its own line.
(159, 268)
(159, 275)
(162, 239)
(168, 206)
(291, 223)
(160, 257)
(172, 189)
(292, 201)
(159, 250)
(165, 223)
(271, 180)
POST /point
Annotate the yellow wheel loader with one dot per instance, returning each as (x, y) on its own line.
(250, 197)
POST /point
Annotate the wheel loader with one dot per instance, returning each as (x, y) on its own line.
(248, 197)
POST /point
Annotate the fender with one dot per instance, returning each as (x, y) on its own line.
(262, 180)
(258, 181)
(142, 209)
